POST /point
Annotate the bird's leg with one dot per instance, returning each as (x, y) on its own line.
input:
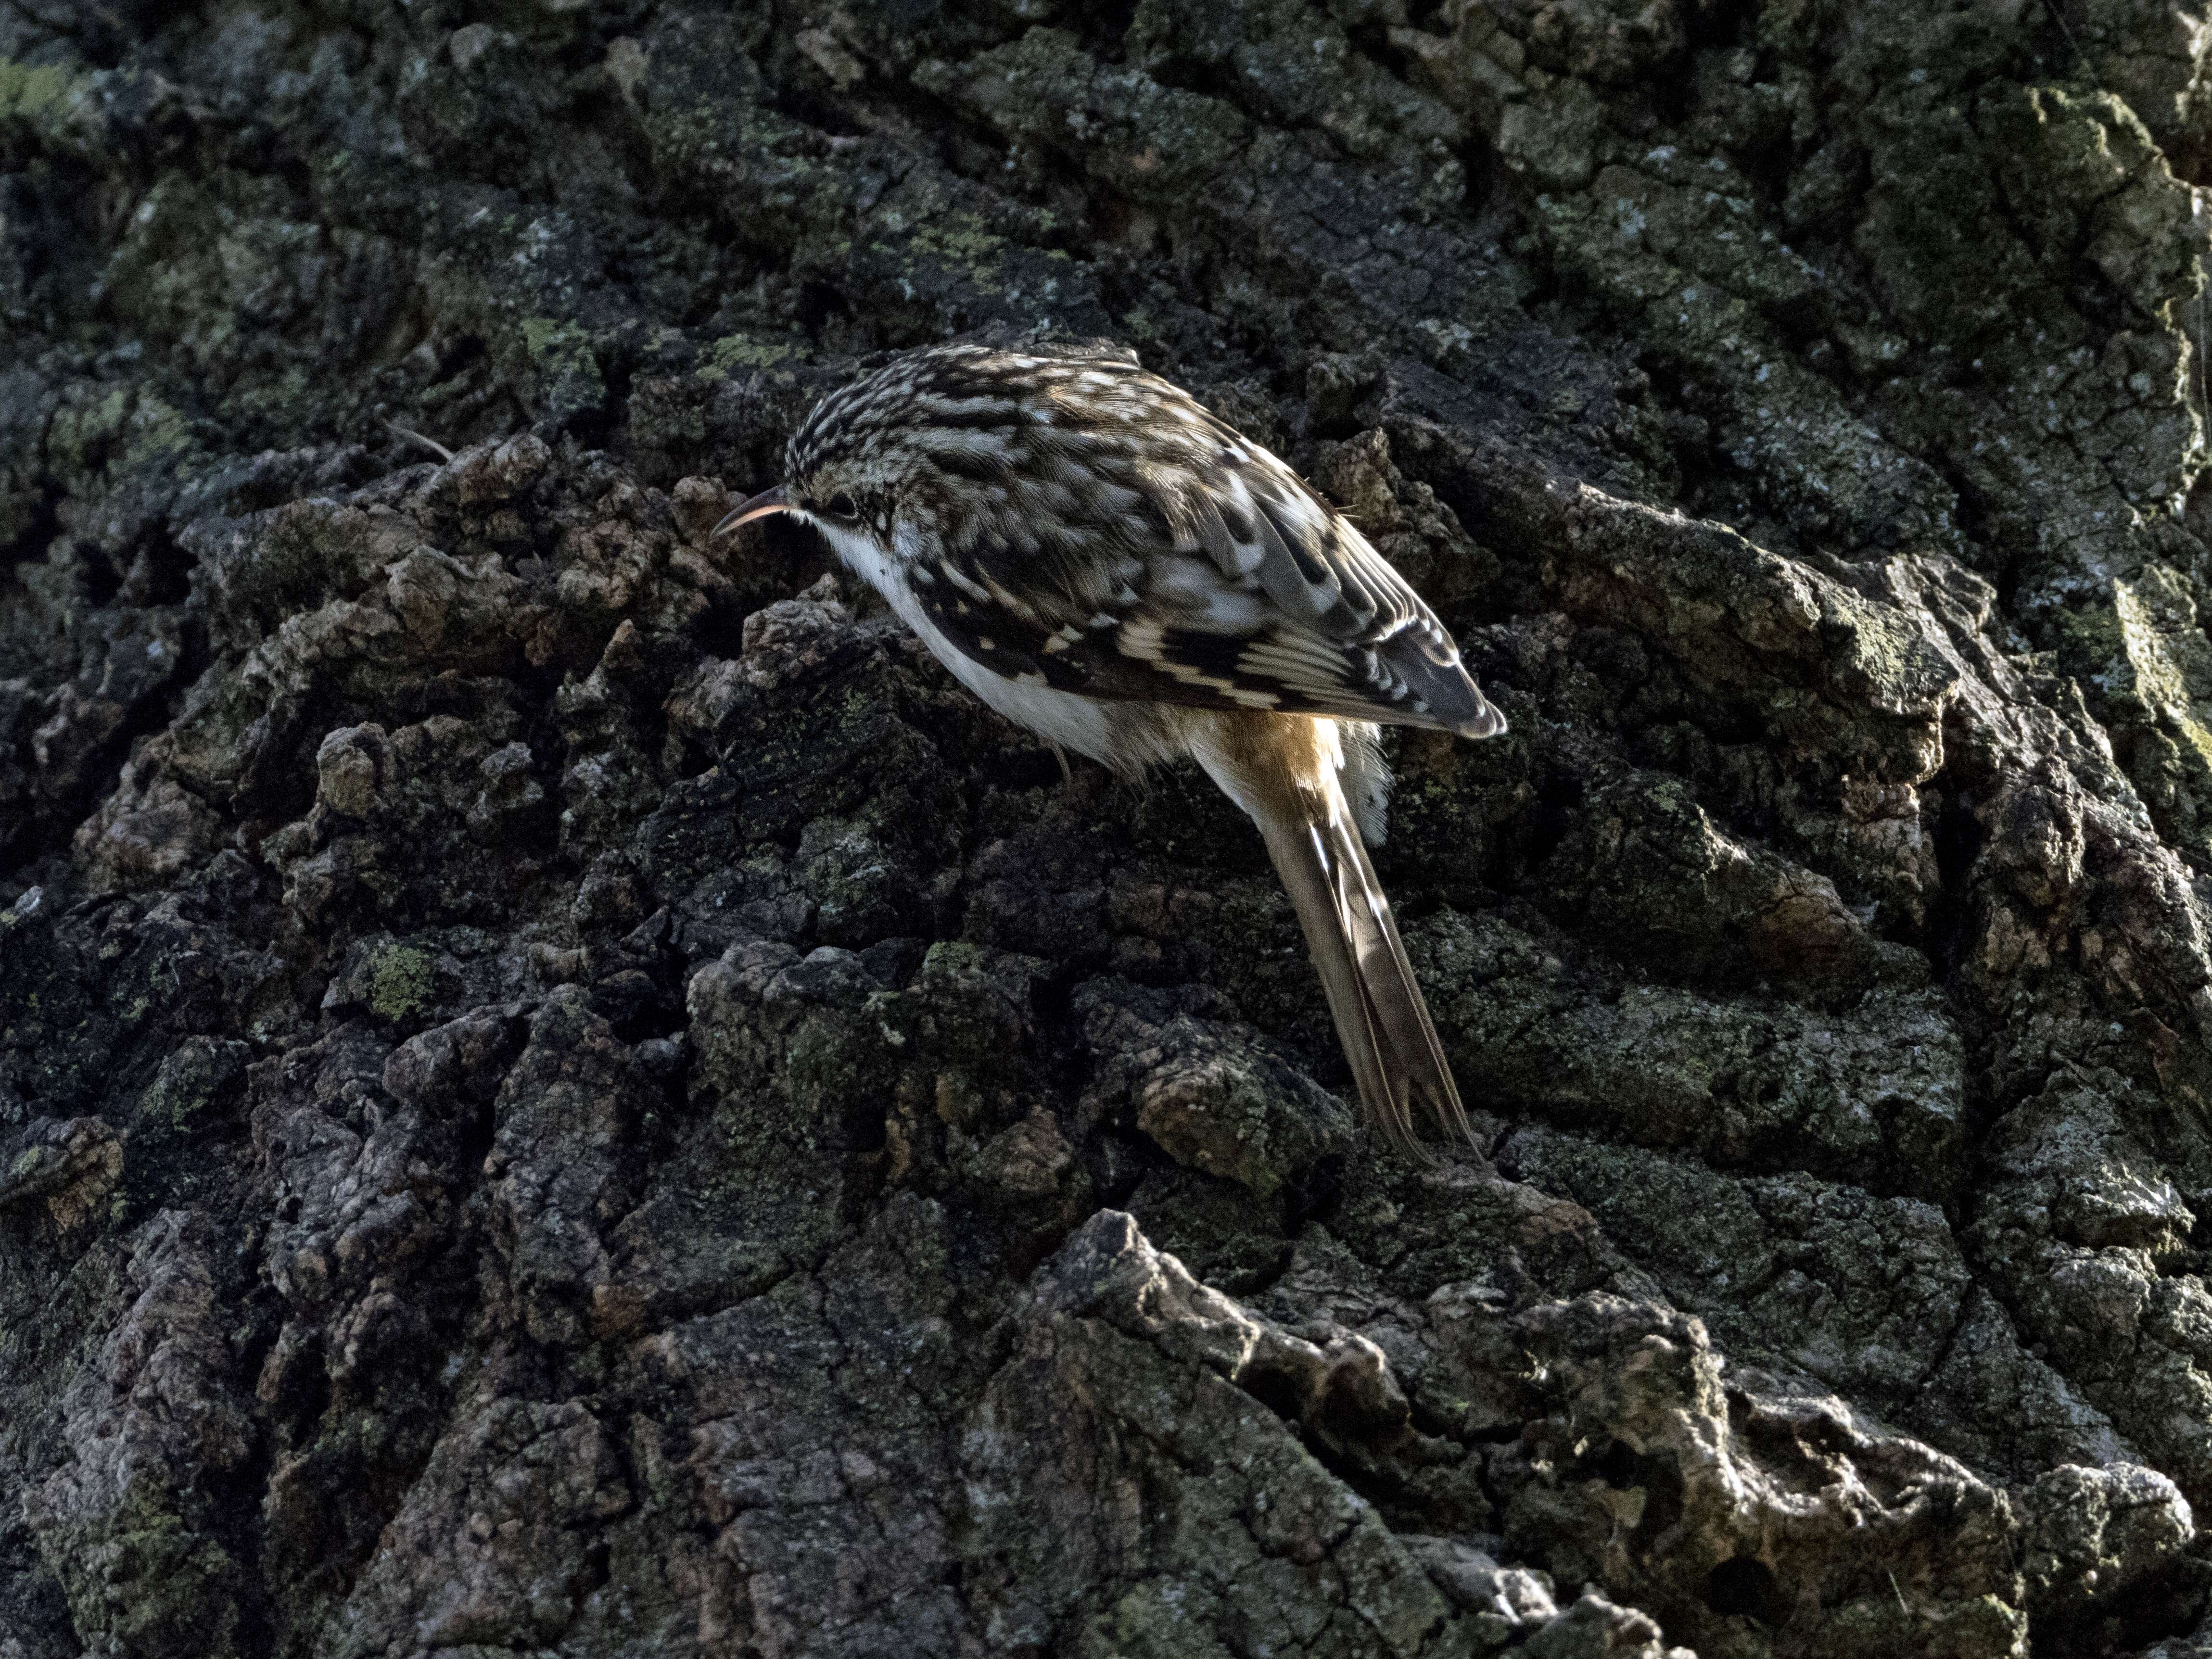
(1066, 777)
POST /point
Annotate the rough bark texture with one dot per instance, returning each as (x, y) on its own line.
(563, 1089)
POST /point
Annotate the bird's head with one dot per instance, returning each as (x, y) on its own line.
(926, 432)
(840, 498)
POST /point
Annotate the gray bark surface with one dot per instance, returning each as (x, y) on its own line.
(563, 1091)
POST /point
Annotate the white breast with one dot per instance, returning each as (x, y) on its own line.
(1060, 717)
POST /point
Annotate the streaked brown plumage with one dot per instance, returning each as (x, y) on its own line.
(1109, 565)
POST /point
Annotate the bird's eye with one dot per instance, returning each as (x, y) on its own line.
(841, 506)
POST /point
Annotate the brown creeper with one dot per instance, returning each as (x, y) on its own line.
(1106, 563)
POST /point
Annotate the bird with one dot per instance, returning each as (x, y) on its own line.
(1118, 570)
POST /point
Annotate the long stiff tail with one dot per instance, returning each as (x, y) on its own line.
(1313, 838)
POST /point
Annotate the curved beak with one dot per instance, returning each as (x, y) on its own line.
(767, 502)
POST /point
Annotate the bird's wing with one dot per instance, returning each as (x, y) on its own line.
(1213, 577)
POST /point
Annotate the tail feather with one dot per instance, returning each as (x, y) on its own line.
(1288, 771)
(1380, 1017)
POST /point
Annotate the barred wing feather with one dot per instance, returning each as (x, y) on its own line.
(1230, 584)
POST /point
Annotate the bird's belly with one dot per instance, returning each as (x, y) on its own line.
(1060, 717)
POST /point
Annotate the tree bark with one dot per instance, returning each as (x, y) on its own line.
(562, 1088)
